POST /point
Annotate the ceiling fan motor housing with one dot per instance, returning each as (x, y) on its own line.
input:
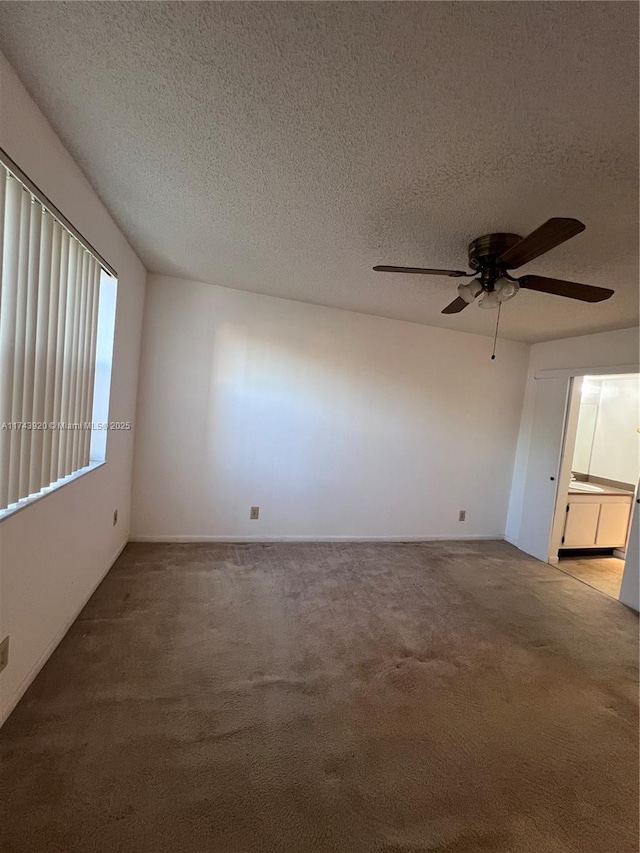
(485, 251)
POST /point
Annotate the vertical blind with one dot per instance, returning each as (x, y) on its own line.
(48, 322)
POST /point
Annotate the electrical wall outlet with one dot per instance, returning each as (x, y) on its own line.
(462, 515)
(115, 517)
(4, 653)
(254, 512)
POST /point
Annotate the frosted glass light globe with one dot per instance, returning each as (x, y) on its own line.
(506, 289)
(489, 300)
(469, 290)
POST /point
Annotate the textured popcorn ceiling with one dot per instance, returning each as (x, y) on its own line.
(286, 148)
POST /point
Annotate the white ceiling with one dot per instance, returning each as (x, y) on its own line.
(286, 148)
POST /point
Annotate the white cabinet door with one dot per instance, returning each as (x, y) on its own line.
(613, 524)
(581, 527)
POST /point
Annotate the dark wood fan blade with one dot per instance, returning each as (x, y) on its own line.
(572, 289)
(456, 306)
(421, 271)
(546, 237)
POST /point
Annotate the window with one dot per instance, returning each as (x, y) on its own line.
(56, 298)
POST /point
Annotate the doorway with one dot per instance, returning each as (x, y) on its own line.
(598, 478)
(581, 483)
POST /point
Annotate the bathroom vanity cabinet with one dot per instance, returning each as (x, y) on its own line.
(597, 520)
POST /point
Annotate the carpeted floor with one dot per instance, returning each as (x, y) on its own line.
(451, 697)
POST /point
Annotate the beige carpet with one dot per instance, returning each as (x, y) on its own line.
(451, 697)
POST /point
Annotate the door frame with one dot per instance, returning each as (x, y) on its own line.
(609, 370)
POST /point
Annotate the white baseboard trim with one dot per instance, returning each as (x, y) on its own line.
(510, 540)
(6, 712)
(188, 538)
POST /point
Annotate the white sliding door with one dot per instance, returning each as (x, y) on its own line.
(545, 449)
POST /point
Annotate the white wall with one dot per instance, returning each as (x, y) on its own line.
(607, 349)
(336, 424)
(54, 553)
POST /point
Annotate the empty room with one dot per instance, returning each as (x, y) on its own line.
(319, 427)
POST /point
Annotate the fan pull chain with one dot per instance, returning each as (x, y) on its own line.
(495, 337)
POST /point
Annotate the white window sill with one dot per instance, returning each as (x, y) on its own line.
(12, 509)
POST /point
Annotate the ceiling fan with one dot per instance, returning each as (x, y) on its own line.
(490, 258)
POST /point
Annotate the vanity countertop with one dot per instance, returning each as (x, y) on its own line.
(578, 487)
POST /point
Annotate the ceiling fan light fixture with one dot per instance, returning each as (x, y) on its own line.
(469, 290)
(489, 300)
(506, 289)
